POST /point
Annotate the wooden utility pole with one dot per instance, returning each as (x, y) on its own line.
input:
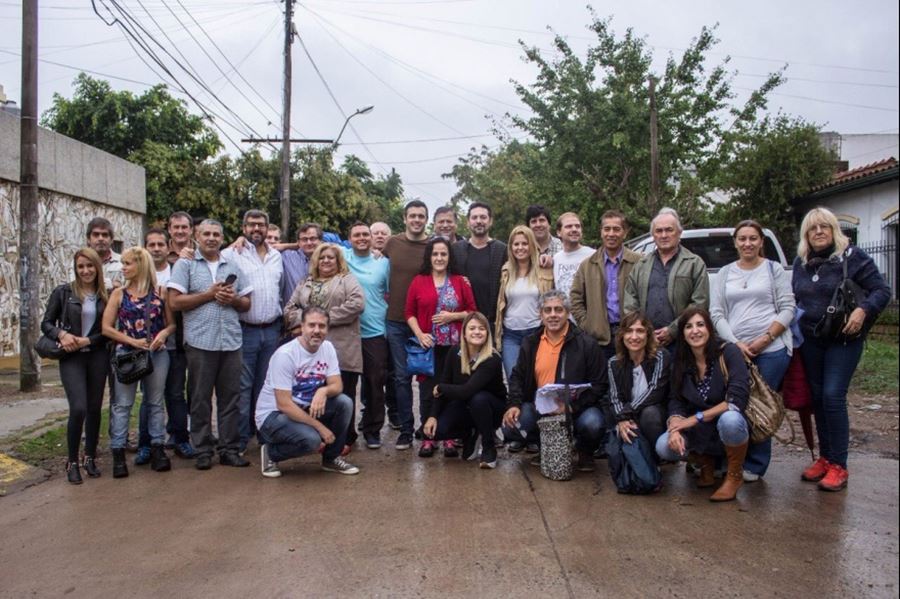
(29, 232)
(286, 122)
(654, 151)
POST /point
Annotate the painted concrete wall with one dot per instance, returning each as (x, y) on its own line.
(77, 182)
(860, 150)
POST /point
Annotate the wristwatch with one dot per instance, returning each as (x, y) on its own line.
(770, 336)
(699, 416)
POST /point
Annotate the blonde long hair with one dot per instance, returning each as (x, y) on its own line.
(821, 216)
(342, 267)
(486, 351)
(145, 277)
(533, 256)
(78, 288)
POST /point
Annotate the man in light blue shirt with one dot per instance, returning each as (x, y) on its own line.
(373, 275)
(210, 290)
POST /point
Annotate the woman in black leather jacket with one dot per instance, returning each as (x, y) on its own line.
(73, 318)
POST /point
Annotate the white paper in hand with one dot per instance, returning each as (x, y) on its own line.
(549, 397)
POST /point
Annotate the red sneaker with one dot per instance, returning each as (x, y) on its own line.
(816, 471)
(835, 479)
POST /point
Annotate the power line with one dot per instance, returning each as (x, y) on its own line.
(823, 101)
(68, 66)
(426, 140)
(428, 77)
(382, 81)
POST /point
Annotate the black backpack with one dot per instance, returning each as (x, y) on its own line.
(632, 465)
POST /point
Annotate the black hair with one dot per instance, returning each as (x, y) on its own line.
(536, 210)
(156, 231)
(426, 260)
(684, 357)
(475, 205)
(416, 204)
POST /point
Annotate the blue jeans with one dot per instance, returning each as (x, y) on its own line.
(288, 438)
(733, 430)
(176, 406)
(154, 391)
(772, 367)
(259, 343)
(397, 334)
(589, 425)
(512, 341)
(829, 368)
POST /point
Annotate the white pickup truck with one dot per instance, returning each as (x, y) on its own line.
(714, 246)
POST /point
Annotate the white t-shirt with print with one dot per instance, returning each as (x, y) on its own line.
(294, 369)
(565, 265)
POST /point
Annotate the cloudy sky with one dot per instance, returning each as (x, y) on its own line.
(438, 71)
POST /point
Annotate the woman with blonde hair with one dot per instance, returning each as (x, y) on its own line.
(332, 287)
(830, 353)
(522, 281)
(470, 397)
(137, 318)
(72, 318)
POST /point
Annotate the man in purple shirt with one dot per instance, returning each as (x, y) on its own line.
(599, 284)
(296, 262)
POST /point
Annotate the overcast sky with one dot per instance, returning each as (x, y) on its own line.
(439, 69)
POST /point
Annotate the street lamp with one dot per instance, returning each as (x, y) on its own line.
(337, 139)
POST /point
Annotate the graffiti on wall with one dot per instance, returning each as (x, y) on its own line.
(63, 222)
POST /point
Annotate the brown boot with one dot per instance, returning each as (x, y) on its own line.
(735, 476)
(707, 466)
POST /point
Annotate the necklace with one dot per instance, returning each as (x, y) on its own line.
(745, 277)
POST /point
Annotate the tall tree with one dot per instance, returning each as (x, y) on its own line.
(590, 125)
(152, 129)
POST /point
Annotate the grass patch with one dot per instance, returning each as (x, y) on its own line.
(877, 373)
(52, 445)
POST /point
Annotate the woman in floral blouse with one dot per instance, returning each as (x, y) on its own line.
(137, 318)
(437, 301)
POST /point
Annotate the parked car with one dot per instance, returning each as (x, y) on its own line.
(714, 246)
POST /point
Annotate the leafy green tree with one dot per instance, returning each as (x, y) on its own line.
(777, 160)
(153, 129)
(589, 127)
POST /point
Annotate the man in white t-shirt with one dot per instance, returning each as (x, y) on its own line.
(566, 262)
(301, 407)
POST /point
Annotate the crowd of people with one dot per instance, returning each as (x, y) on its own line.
(285, 334)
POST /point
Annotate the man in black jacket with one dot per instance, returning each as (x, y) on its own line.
(559, 352)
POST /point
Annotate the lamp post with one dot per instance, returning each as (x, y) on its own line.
(365, 110)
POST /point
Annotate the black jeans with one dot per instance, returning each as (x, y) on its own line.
(375, 361)
(350, 381)
(651, 421)
(483, 412)
(218, 371)
(176, 405)
(83, 376)
(426, 387)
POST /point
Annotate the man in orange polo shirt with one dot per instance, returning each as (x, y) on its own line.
(559, 352)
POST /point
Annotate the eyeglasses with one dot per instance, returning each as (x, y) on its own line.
(820, 227)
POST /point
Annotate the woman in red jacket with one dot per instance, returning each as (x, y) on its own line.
(437, 301)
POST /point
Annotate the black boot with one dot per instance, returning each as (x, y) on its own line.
(159, 461)
(73, 473)
(120, 468)
(90, 466)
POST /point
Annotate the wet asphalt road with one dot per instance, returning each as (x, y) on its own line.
(408, 527)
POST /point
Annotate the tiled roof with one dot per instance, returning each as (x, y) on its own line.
(859, 173)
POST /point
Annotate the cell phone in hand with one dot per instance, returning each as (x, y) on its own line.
(230, 279)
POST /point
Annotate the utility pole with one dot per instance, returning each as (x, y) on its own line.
(29, 232)
(654, 150)
(286, 122)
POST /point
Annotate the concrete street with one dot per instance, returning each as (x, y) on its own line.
(408, 527)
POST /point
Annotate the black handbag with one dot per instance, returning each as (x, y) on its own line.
(133, 365)
(51, 348)
(845, 299)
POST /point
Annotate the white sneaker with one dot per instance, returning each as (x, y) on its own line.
(751, 477)
(268, 467)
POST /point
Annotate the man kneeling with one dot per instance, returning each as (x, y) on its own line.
(301, 407)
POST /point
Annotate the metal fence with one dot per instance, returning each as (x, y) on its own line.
(884, 253)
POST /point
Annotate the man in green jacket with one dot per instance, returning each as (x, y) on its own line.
(598, 289)
(668, 280)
